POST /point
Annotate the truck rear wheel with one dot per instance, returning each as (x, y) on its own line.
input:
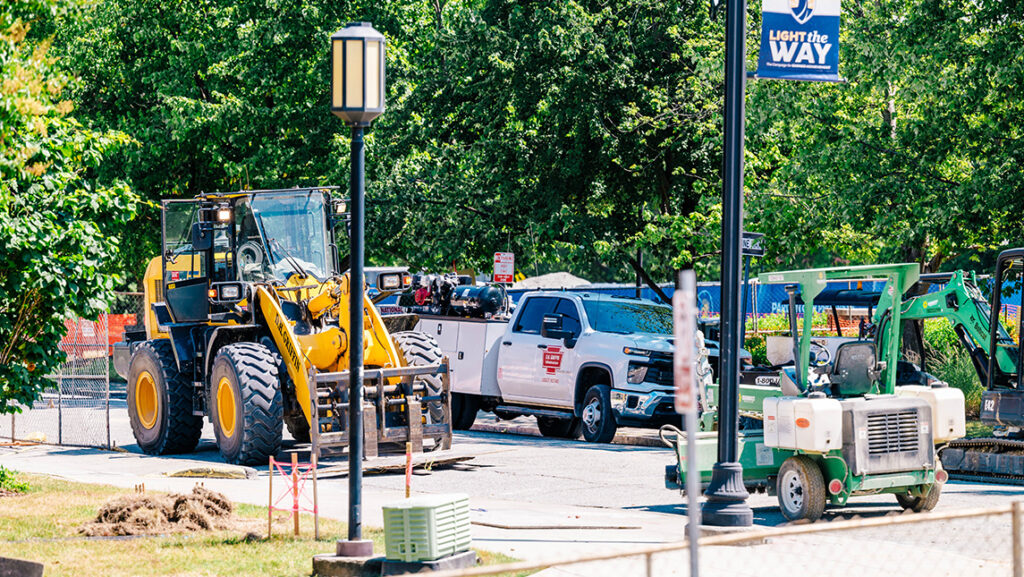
(598, 420)
(801, 489)
(464, 410)
(560, 428)
(160, 402)
(246, 407)
(927, 502)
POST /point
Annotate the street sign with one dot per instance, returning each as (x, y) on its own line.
(684, 312)
(504, 267)
(752, 244)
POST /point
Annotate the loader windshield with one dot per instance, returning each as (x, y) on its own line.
(293, 236)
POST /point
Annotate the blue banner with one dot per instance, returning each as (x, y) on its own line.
(799, 40)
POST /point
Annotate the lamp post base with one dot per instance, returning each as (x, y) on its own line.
(726, 504)
(354, 548)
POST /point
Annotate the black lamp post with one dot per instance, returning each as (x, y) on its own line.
(357, 97)
(726, 495)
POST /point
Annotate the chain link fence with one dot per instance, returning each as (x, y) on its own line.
(75, 410)
(981, 542)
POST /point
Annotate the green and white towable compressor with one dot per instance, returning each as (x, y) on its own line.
(836, 430)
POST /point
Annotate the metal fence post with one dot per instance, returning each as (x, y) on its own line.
(106, 371)
(60, 405)
(1018, 567)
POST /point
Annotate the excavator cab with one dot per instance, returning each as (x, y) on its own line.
(1004, 370)
(1002, 403)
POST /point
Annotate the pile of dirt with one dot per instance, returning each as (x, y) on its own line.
(149, 514)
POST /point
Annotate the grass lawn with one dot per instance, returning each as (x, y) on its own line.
(42, 525)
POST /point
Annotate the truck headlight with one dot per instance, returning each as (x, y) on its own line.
(636, 374)
(638, 352)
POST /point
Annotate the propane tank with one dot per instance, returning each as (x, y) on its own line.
(476, 301)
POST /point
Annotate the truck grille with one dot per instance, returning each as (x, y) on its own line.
(893, 432)
(660, 374)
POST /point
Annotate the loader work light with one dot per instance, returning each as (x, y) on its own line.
(227, 292)
(390, 281)
(357, 73)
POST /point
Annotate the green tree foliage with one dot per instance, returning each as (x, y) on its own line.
(57, 221)
(573, 132)
(221, 95)
(916, 158)
(569, 132)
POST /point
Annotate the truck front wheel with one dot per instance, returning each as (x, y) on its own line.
(598, 419)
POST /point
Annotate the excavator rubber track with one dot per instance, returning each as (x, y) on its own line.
(985, 459)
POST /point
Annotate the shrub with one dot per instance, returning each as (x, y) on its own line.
(9, 481)
(950, 362)
(757, 346)
(955, 367)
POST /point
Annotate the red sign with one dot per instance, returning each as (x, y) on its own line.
(684, 309)
(552, 359)
(504, 267)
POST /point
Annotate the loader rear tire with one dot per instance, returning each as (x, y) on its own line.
(420, 349)
(160, 402)
(298, 427)
(294, 418)
(246, 406)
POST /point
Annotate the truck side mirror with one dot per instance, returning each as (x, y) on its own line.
(551, 328)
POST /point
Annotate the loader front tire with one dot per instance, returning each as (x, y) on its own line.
(160, 402)
(420, 349)
(246, 407)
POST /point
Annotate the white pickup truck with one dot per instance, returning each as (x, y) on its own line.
(579, 362)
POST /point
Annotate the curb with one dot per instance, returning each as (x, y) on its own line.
(532, 431)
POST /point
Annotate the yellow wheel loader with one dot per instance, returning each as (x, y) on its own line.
(246, 324)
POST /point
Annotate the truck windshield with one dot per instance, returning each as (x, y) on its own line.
(294, 232)
(628, 317)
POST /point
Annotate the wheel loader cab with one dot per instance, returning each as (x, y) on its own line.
(248, 311)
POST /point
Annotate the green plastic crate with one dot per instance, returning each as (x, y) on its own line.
(426, 528)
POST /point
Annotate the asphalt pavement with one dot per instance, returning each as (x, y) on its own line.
(535, 498)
